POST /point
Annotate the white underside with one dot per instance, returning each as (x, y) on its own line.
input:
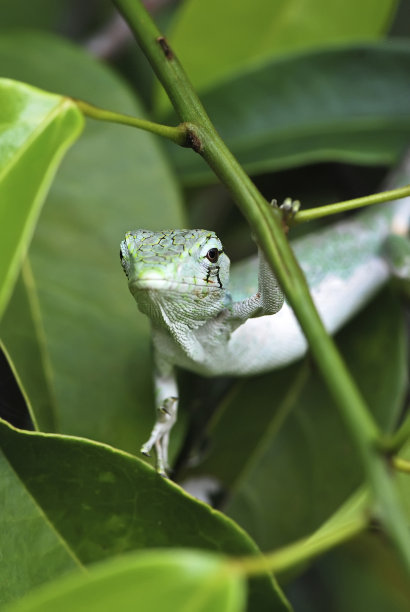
(259, 345)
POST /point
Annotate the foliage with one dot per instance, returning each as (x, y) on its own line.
(295, 86)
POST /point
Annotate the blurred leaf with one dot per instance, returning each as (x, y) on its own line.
(114, 180)
(102, 502)
(365, 574)
(173, 580)
(38, 14)
(346, 104)
(215, 40)
(21, 329)
(291, 450)
(36, 128)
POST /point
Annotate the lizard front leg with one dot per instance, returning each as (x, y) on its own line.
(166, 402)
(267, 301)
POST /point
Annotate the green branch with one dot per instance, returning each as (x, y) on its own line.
(266, 223)
(176, 134)
(339, 207)
(401, 465)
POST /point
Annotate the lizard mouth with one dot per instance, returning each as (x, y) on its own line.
(162, 284)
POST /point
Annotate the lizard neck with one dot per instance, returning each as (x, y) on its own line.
(182, 317)
(168, 308)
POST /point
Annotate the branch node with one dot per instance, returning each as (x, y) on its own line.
(163, 43)
(192, 138)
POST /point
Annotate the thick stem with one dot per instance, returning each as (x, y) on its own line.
(266, 223)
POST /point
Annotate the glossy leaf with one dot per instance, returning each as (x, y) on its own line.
(217, 39)
(116, 179)
(102, 502)
(293, 438)
(348, 104)
(31, 550)
(36, 128)
(173, 580)
(21, 330)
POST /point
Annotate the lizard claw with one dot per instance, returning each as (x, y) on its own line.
(166, 417)
(289, 207)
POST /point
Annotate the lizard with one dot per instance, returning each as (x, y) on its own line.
(213, 322)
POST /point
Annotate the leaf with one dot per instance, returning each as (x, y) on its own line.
(21, 329)
(185, 580)
(36, 128)
(239, 33)
(39, 14)
(31, 550)
(94, 338)
(291, 450)
(348, 105)
(102, 502)
(362, 575)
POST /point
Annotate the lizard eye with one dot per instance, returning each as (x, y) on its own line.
(212, 255)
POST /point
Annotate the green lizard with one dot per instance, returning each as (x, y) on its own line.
(209, 321)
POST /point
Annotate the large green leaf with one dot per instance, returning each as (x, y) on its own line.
(348, 104)
(291, 450)
(21, 329)
(92, 337)
(175, 581)
(216, 39)
(102, 502)
(31, 550)
(36, 128)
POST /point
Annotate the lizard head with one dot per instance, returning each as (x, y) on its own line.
(174, 262)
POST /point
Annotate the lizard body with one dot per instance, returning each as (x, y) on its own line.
(214, 323)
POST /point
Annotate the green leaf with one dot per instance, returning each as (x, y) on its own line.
(175, 580)
(346, 104)
(36, 128)
(363, 575)
(94, 339)
(294, 439)
(38, 14)
(102, 502)
(215, 40)
(31, 550)
(22, 331)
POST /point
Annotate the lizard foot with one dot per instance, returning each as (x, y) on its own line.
(289, 208)
(166, 417)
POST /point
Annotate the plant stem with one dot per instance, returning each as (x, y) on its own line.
(300, 552)
(176, 134)
(266, 223)
(401, 465)
(333, 209)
